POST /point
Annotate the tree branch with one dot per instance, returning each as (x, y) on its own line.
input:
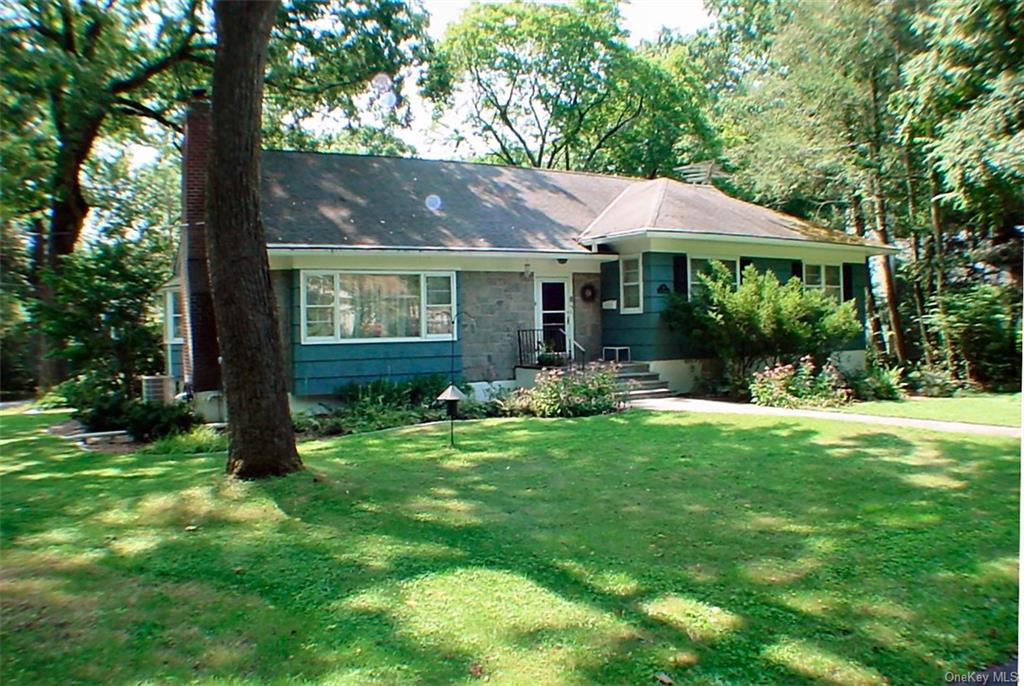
(184, 52)
(137, 109)
(622, 122)
(67, 21)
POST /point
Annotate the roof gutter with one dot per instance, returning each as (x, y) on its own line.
(316, 249)
(866, 248)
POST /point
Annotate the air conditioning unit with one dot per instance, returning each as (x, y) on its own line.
(158, 389)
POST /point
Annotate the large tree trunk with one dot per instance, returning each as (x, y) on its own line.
(885, 262)
(67, 218)
(918, 292)
(938, 265)
(262, 440)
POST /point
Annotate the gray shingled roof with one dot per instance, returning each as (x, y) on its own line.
(666, 204)
(369, 201)
(359, 200)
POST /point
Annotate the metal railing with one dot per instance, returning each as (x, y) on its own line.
(549, 347)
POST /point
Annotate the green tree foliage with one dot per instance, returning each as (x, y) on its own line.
(984, 324)
(367, 140)
(761, 322)
(74, 74)
(103, 306)
(963, 99)
(556, 85)
(899, 120)
(18, 354)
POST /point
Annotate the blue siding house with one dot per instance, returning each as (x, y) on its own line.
(391, 268)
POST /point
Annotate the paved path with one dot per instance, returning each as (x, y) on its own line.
(716, 406)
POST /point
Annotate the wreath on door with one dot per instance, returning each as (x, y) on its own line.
(588, 293)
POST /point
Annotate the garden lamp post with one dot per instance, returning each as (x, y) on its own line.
(451, 397)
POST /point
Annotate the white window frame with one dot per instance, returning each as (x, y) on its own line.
(821, 273)
(639, 283)
(338, 340)
(691, 273)
(169, 318)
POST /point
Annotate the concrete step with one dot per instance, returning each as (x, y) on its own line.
(634, 367)
(643, 384)
(639, 376)
(644, 394)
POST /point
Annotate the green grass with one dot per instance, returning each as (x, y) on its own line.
(1002, 409)
(722, 550)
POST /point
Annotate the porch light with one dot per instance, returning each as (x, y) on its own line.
(451, 397)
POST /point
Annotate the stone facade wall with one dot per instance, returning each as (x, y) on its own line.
(493, 306)
(587, 315)
(498, 304)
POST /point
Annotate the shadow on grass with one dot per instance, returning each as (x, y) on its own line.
(596, 550)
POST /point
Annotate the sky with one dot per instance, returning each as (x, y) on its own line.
(643, 19)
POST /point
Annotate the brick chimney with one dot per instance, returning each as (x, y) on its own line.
(201, 349)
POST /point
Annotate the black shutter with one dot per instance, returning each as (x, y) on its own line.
(797, 269)
(847, 281)
(680, 276)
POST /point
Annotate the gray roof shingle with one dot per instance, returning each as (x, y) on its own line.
(369, 201)
(366, 201)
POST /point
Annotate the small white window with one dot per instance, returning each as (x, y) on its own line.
(440, 306)
(174, 330)
(632, 286)
(702, 265)
(827, 277)
(320, 303)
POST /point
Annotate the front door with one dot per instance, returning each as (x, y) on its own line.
(554, 315)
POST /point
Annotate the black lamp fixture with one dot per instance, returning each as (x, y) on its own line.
(451, 397)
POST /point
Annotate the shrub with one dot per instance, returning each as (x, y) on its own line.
(420, 390)
(982, 323)
(79, 392)
(101, 309)
(762, 322)
(149, 421)
(933, 382)
(384, 404)
(798, 385)
(513, 402)
(107, 412)
(202, 439)
(476, 409)
(877, 383)
(576, 393)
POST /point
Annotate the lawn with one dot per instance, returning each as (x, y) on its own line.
(720, 550)
(1002, 409)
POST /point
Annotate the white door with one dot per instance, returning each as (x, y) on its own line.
(554, 314)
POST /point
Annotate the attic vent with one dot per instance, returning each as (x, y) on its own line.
(701, 173)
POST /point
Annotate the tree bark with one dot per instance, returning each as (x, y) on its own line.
(888, 278)
(938, 264)
(262, 440)
(918, 292)
(881, 224)
(875, 337)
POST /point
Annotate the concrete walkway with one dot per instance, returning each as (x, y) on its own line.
(718, 407)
